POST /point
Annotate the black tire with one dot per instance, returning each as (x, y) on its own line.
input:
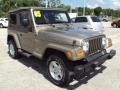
(1, 25)
(66, 78)
(15, 54)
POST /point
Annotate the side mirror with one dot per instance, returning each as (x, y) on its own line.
(25, 22)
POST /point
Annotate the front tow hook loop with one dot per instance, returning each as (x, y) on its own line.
(111, 54)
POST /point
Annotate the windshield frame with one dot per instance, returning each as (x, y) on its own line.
(55, 11)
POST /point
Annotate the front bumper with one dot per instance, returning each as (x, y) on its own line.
(93, 61)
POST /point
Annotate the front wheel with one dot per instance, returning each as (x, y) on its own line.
(57, 70)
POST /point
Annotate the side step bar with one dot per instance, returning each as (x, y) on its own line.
(24, 53)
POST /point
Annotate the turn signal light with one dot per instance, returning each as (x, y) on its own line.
(80, 53)
(69, 54)
(109, 42)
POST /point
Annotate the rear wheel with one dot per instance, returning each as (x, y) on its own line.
(1, 25)
(13, 51)
(57, 70)
(114, 25)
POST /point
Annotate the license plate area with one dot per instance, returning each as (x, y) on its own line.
(95, 56)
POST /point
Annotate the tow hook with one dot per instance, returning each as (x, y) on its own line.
(111, 54)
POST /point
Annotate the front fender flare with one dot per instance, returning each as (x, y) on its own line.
(16, 39)
(62, 48)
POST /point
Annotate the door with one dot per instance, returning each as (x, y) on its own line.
(26, 33)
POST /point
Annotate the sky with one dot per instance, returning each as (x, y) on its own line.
(114, 4)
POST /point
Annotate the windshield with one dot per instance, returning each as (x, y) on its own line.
(50, 17)
(95, 19)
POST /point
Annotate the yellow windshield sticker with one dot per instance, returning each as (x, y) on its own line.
(37, 13)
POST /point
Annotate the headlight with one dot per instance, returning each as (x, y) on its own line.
(106, 42)
(85, 46)
(104, 39)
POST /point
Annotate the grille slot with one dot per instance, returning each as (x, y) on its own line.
(95, 45)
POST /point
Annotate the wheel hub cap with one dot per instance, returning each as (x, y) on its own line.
(56, 70)
(11, 48)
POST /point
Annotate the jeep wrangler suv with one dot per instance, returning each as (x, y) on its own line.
(48, 34)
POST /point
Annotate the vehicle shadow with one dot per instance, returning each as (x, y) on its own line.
(39, 66)
(34, 63)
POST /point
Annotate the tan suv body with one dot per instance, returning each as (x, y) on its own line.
(49, 35)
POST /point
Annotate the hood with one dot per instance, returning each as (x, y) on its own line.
(96, 26)
(67, 36)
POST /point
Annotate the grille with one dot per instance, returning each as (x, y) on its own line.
(95, 45)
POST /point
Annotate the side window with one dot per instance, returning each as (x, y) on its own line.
(84, 19)
(95, 19)
(13, 19)
(78, 19)
(24, 19)
(81, 19)
(6, 19)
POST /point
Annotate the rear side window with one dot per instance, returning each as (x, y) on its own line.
(95, 19)
(13, 19)
(23, 16)
(81, 19)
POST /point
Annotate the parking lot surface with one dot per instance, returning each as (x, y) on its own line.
(29, 73)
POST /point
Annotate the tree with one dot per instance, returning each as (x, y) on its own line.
(54, 3)
(6, 5)
(65, 7)
(80, 11)
(97, 11)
